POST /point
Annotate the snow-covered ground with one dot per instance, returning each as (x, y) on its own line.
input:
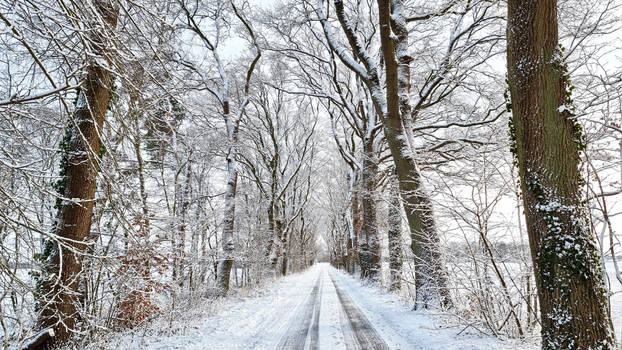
(403, 328)
(268, 321)
(616, 300)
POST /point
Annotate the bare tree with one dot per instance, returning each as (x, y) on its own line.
(60, 297)
(432, 274)
(231, 118)
(282, 150)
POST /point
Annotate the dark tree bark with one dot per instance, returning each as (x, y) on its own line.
(357, 223)
(59, 300)
(369, 253)
(179, 240)
(270, 258)
(223, 275)
(573, 303)
(395, 236)
(349, 263)
(277, 238)
(286, 242)
(431, 273)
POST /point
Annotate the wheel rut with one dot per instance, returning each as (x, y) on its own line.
(303, 332)
(357, 326)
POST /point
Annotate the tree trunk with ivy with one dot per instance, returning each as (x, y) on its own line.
(547, 142)
(59, 297)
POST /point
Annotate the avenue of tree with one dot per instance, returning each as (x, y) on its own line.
(465, 154)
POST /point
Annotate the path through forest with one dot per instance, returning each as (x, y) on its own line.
(322, 308)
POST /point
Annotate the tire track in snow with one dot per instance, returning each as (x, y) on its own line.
(304, 329)
(314, 330)
(269, 326)
(361, 332)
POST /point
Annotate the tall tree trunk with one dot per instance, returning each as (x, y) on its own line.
(548, 141)
(349, 264)
(395, 236)
(352, 218)
(64, 267)
(302, 252)
(271, 231)
(357, 222)
(285, 250)
(369, 253)
(228, 245)
(181, 261)
(195, 252)
(277, 245)
(275, 221)
(431, 273)
(272, 206)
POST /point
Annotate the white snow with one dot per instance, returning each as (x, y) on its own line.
(259, 323)
(403, 328)
(616, 300)
(243, 323)
(563, 108)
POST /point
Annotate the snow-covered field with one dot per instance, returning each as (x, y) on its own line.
(262, 322)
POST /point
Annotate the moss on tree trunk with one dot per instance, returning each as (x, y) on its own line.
(547, 144)
(59, 299)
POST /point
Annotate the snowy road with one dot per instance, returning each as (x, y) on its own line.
(303, 332)
(321, 308)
